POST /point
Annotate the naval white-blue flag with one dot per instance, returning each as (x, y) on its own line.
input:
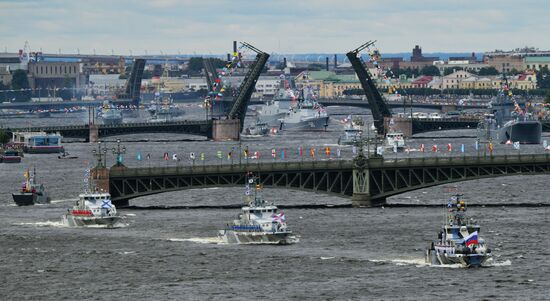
(516, 145)
(545, 144)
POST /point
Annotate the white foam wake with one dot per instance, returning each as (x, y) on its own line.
(56, 224)
(200, 240)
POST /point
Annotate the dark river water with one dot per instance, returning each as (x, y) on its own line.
(343, 253)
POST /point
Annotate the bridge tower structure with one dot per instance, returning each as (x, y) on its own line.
(133, 83)
(232, 126)
(379, 108)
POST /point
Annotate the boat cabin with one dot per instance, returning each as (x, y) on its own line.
(38, 142)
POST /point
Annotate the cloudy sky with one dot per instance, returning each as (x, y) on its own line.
(280, 26)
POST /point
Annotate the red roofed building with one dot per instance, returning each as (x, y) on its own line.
(422, 82)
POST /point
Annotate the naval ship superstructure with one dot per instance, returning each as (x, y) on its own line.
(508, 122)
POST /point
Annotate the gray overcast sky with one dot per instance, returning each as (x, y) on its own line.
(285, 26)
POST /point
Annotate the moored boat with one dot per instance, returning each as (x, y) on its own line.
(259, 222)
(38, 142)
(458, 241)
(31, 192)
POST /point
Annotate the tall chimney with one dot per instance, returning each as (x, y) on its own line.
(234, 46)
(284, 62)
(229, 57)
(335, 62)
(327, 63)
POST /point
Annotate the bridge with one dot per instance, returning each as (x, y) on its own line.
(193, 127)
(368, 181)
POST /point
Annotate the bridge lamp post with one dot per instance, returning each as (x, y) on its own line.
(119, 151)
(101, 155)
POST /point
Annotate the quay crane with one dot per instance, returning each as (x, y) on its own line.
(378, 105)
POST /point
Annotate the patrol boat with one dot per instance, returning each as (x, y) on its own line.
(352, 133)
(31, 192)
(458, 241)
(92, 209)
(259, 222)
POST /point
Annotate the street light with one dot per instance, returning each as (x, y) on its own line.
(119, 152)
(101, 155)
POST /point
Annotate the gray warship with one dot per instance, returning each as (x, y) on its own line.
(508, 122)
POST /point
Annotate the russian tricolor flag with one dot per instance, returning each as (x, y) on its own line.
(471, 239)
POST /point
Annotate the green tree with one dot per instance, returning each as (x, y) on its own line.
(19, 80)
(543, 78)
(488, 71)
(430, 71)
(4, 137)
(195, 64)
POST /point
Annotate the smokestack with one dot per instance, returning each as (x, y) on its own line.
(234, 46)
(327, 63)
(229, 57)
(284, 62)
(335, 62)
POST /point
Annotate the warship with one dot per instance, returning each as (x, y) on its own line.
(508, 122)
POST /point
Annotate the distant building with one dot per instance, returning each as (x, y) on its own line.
(49, 75)
(10, 62)
(422, 82)
(536, 62)
(504, 62)
(5, 76)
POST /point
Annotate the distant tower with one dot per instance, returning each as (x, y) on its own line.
(417, 53)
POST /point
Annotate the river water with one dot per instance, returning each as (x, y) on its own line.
(343, 253)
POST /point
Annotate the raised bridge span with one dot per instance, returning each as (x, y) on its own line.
(193, 127)
(367, 181)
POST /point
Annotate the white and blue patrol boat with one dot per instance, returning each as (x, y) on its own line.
(92, 209)
(458, 241)
(259, 222)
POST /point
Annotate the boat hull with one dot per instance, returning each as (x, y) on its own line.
(526, 132)
(466, 260)
(242, 237)
(44, 149)
(313, 124)
(86, 221)
(27, 199)
(270, 119)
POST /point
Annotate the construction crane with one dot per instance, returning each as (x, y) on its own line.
(377, 104)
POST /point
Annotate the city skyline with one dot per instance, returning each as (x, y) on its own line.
(187, 27)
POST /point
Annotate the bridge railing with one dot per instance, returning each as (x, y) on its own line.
(239, 168)
(331, 165)
(463, 160)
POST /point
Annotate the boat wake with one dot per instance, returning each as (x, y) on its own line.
(418, 262)
(57, 224)
(491, 263)
(62, 201)
(200, 240)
